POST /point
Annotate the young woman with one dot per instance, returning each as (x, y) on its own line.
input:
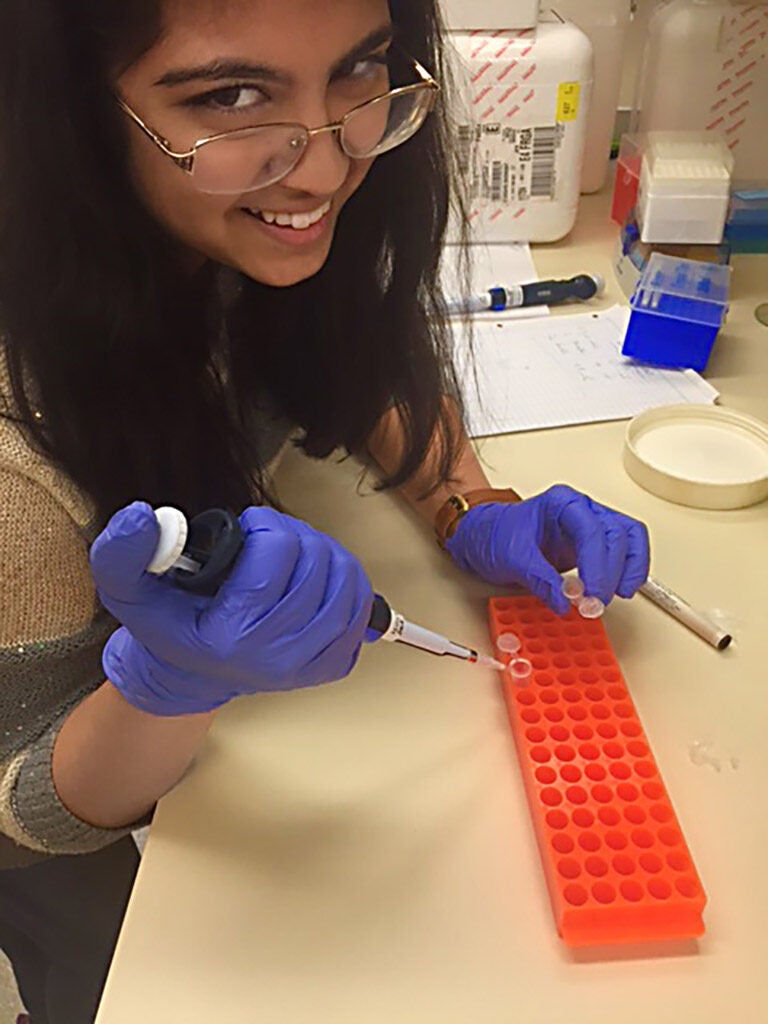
(220, 220)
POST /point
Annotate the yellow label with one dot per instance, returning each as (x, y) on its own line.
(568, 101)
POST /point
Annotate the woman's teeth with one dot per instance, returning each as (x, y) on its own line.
(297, 221)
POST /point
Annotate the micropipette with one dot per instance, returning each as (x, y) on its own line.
(392, 626)
(539, 293)
(197, 557)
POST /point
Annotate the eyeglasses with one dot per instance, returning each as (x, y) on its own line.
(247, 159)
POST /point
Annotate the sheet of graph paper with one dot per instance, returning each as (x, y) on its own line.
(528, 375)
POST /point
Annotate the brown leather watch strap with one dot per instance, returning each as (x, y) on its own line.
(450, 514)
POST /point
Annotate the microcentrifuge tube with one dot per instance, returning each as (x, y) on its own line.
(572, 588)
(700, 753)
(697, 752)
(590, 607)
(509, 643)
(520, 670)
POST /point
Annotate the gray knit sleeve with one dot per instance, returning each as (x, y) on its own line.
(43, 817)
(52, 632)
(40, 684)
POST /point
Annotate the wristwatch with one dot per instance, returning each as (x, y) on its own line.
(456, 507)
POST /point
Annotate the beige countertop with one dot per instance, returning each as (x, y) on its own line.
(363, 852)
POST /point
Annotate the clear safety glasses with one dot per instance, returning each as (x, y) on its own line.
(247, 159)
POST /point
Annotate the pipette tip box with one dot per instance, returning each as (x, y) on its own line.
(627, 178)
(631, 255)
(616, 864)
(684, 187)
(746, 229)
(677, 310)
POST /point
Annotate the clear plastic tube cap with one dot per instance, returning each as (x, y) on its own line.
(591, 608)
(509, 643)
(520, 671)
(572, 588)
(173, 537)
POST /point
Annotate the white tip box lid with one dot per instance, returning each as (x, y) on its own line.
(493, 14)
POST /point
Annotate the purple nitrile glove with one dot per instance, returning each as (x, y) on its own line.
(531, 543)
(291, 614)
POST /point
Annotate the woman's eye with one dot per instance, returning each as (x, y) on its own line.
(370, 69)
(234, 97)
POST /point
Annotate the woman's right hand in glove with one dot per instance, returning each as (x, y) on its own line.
(292, 613)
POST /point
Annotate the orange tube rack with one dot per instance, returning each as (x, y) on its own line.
(617, 866)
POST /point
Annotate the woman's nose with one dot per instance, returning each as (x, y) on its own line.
(323, 167)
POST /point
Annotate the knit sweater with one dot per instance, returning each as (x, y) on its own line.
(52, 631)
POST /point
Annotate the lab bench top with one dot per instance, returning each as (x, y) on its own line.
(362, 853)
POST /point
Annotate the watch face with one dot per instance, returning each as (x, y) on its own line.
(459, 502)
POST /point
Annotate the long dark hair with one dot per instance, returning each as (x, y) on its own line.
(110, 342)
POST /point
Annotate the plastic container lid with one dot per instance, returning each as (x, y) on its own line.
(703, 456)
(666, 280)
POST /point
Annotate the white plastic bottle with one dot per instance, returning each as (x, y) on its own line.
(606, 23)
(705, 66)
(462, 14)
(521, 117)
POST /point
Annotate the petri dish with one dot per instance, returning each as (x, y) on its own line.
(703, 456)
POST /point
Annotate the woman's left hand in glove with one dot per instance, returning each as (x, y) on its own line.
(532, 542)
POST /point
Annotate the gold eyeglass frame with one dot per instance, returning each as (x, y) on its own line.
(186, 161)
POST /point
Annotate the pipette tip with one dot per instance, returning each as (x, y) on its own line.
(483, 659)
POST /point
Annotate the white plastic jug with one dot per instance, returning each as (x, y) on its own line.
(463, 14)
(520, 119)
(705, 66)
(606, 23)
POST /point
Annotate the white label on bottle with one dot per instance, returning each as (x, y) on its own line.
(506, 165)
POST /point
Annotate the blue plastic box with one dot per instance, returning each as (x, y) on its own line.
(747, 227)
(677, 310)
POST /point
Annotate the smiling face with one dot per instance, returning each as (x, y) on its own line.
(222, 65)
